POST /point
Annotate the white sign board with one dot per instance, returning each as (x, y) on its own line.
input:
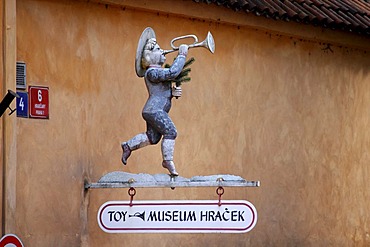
(236, 216)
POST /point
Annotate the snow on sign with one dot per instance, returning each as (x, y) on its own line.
(233, 216)
(39, 102)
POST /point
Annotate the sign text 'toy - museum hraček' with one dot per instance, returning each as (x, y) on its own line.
(237, 216)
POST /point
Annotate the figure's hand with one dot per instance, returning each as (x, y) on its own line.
(176, 91)
(183, 50)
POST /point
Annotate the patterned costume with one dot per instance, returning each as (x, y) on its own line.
(155, 111)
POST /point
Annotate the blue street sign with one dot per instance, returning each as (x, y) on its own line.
(22, 104)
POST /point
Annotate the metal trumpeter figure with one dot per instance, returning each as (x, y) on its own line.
(149, 60)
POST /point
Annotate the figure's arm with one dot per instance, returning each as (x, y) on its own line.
(162, 74)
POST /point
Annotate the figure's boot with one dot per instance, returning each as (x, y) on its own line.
(168, 147)
(138, 141)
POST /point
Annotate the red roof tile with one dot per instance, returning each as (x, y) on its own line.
(348, 15)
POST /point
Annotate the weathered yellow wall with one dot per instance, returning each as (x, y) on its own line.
(279, 109)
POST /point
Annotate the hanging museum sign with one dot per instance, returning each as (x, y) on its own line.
(232, 216)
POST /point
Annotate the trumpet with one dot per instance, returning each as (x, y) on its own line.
(139, 215)
(208, 43)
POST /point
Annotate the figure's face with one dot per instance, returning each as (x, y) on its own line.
(157, 56)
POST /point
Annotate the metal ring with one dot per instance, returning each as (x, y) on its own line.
(220, 191)
(131, 192)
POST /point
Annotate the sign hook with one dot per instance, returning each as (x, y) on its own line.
(131, 193)
(220, 191)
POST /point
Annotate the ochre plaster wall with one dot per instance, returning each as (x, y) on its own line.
(279, 109)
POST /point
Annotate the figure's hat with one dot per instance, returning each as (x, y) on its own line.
(148, 33)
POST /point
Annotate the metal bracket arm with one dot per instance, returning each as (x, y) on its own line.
(128, 180)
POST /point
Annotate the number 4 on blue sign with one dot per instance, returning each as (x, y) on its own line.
(22, 104)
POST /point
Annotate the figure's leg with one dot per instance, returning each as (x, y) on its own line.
(138, 141)
(162, 123)
(153, 135)
(168, 147)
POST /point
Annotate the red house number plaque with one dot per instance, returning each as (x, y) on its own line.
(39, 102)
